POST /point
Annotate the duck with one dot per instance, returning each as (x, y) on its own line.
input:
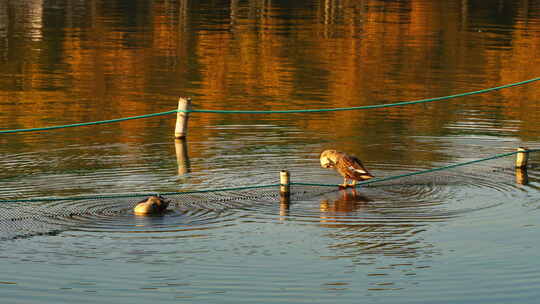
(349, 166)
(153, 205)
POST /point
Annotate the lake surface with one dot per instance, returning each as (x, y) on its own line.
(465, 235)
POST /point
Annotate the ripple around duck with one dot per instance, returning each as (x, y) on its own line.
(187, 212)
(436, 196)
(96, 215)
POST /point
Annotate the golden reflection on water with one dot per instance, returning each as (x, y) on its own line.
(343, 55)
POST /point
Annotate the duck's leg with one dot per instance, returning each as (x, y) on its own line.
(344, 185)
(353, 183)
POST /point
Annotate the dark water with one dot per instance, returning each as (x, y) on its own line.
(457, 236)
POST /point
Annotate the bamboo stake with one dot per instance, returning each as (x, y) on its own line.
(284, 192)
(284, 178)
(522, 157)
(184, 104)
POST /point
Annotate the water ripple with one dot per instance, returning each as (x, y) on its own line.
(431, 197)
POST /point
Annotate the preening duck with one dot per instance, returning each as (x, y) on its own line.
(348, 166)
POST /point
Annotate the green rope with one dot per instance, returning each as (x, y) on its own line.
(87, 123)
(371, 106)
(378, 180)
(277, 111)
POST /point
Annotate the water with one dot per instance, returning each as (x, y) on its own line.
(463, 235)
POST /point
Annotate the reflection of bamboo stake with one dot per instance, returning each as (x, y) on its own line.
(182, 158)
(522, 177)
(522, 157)
(284, 205)
(184, 104)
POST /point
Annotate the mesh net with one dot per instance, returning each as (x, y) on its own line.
(25, 219)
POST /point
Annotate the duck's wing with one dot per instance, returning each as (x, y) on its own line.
(353, 168)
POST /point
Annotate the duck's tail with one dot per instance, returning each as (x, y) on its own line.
(362, 175)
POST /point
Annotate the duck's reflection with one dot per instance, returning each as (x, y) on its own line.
(359, 226)
(349, 201)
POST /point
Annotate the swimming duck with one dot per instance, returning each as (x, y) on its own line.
(348, 166)
(151, 206)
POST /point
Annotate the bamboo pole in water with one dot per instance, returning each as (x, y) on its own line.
(522, 157)
(284, 181)
(184, 104)
(284, 192)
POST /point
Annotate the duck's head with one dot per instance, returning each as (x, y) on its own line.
(152, 205)
(329, 158)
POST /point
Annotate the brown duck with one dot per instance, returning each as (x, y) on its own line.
(348, 166)
(154, 205)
